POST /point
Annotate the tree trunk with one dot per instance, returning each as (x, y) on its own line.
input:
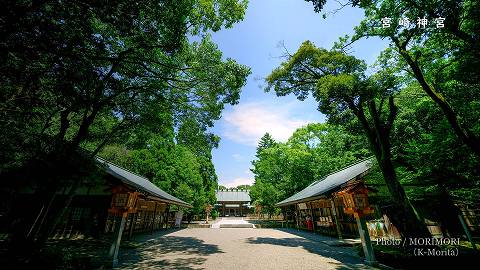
(467, 136)
(408, 221)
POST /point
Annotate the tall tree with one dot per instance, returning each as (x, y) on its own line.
(80, 74)
(430, 156)
(201, 143)
(441, 59)
(265, 142)
(339, 84)
(313, 151)
(332, 147)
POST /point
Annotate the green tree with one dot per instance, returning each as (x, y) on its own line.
(266, 195)
(444, 61)
(339, 84)
(332, 147)
(201, 143)
(86, 74)
(313, 151)
(430, 155)
(265, 142)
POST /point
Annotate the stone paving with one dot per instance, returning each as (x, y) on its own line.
(235, 248)
(231, 222)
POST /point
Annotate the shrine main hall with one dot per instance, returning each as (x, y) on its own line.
(233, 202)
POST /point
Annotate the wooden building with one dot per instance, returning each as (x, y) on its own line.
(121, 203)
(233, 202)
(136, 205)
(320, 201)
(334, 205)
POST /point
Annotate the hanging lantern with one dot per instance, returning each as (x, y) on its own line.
(145, 205)
(355, 199)
(123, 201)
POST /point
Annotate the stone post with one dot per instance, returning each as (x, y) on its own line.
(366, 243)
(120, 225)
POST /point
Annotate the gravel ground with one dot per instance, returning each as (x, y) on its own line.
(232, 249)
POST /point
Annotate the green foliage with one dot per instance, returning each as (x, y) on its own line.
(214, 214)
(122, 74)
(444, 61)
(313, 151)
(266, 195)
(95, 71)
(172, 167)
(265, 142)
(437, 129)
(341, 87)
(428, 153)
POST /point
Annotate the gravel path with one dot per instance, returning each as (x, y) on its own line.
(232, 249)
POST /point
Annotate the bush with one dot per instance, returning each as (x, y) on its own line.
(214, 214)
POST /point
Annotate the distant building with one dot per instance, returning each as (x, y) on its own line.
(233, 202)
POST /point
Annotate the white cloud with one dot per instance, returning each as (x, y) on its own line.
(237, 182)
(248, 172)
(237, 157)
(248, 122)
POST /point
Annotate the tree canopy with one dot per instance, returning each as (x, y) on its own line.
(313, 151)
(139, 83)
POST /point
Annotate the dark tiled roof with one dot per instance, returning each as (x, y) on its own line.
(329, 182)
(140, 183)
(232, 195)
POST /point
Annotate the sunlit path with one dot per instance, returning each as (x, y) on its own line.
(240, 249)
(232, 222)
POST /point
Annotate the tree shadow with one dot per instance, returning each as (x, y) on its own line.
(346, 257)
(168, 252)
(178, 263)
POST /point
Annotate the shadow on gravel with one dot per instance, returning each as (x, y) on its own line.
(168, 252)
(346, 257)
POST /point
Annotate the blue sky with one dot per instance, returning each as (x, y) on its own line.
(255, 42)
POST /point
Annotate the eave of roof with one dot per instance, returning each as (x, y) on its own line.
(238, 196)
(329, 183)
(140, 183)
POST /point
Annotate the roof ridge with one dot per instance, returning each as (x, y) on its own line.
(339, 170)
(123, 168)
(312, 189)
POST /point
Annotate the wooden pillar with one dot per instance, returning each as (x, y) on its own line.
(366, 243)
(153, 218)
(165, 220)
(297, 217)
(162, 220)
(313, 217)
(117, 238)
(168, 220)
(223, 207)
(335, 218)
(160, 216)
(132, 225)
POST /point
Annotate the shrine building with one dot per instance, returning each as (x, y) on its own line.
(233, 202)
